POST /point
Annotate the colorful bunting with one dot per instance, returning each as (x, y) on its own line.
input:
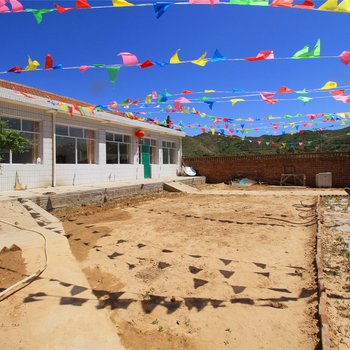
(113, 72)
(284, 90)
(38, 14)
(201, 61)
(307, 5)
(218, 56)
(262, 55)
(60, 9)
(175, 58)
(235, 100)
(82, 4)
(146, 64)
(329, 5)
(32, 65)
(48, 62)
(282, 3)
(16, 6)
(329, 85)
(304, 52)
(304, 99)
(121, 3)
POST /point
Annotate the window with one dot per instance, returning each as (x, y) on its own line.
(117, 148)
(169, 152)
(74, 145)
(152, 148)
(29, 129)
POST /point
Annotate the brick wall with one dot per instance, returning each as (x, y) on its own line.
(270, 167)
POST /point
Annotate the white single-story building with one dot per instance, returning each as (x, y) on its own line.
(73, 145)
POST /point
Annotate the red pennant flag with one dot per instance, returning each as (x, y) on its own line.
(262, 55)
(282, 3)
(82, 4)
(336, 92)
(307, 5)
(70, 110)
(48, 62)
(146, 64)
(284, 90)
(15, 69)
(61, 9)
(187, 92)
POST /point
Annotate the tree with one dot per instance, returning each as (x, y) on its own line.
(12, 139)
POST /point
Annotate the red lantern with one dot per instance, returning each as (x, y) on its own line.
(140, 134)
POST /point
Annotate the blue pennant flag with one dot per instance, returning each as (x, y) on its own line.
(218, 56)
(209, 103)
(161, 7)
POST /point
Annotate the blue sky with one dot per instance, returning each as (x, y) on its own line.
(97, 36)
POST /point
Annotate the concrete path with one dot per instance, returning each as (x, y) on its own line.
(274, 192)
(58, 310)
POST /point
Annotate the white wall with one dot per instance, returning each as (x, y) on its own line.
(40, 175)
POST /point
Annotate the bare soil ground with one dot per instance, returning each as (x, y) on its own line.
(203, 271)
(336, 262)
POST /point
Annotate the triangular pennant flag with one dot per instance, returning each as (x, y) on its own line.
(218, 56)
(282, 3)
(343, 98)
(112, 72)
(201, 61)
(32, 65)
(48, 62)
(128, 58)
(175, 58)
(146, 64)
(208, 2)
(16, 6)
(82, 4)
(3, 7)
(15, 69)
(250, 2)
(262, 55)
(336, 92)
(209, 91)
(38, 14)
(267, 97)
(307, 5)
(344, 6)
(210, 103)
(329, 5)
(121, 3)
(329, 85)
(316, 51)
(304, 99)
(303, 53)
(61, 9)
(235, 100)
(161, 7)
(284, 90)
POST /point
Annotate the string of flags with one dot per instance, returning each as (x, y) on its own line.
(15, 6)
(131, 60)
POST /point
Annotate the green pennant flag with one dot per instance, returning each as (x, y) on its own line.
(316, 51)
(38, 14)
(304, 91)
(304, 99)
(303, 53)
(98, 65)
(113, 71)
(168, 94)
(204, 98)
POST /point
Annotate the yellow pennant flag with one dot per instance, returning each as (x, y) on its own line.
(201, 61)
(329, 5)
(175, 58)
(235, 100)
(344, 6)
(341, 115)
(148, 99)
(32, 65)
(329, 85)
(343, 122)
(285, 126)
(121, 3)
(209, 91)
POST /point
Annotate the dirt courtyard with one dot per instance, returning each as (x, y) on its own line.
(203, 271)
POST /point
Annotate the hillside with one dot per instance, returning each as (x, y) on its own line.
(312, 141)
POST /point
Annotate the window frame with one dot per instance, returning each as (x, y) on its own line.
(154, 146)
(76, 138)
(168, 147)
(118, 143)
(36, 134)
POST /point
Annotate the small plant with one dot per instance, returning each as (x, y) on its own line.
(155, 321)
(228, 330)
(16, 222)
(147, 294)
(160, 329)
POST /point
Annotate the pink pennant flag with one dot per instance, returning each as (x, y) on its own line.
(282, 3)
(179, 102)
(84, 68)
(345, 57)
(268, 97)
(343, 98)
(154, 94)
(16, 6)
(129, 59)
(262, 55)
(3, 7)
(307, 5)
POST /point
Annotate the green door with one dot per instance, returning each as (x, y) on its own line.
(146, 161)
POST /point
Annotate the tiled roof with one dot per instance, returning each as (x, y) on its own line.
(37, 92)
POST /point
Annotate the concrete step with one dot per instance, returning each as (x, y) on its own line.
(179, 187)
